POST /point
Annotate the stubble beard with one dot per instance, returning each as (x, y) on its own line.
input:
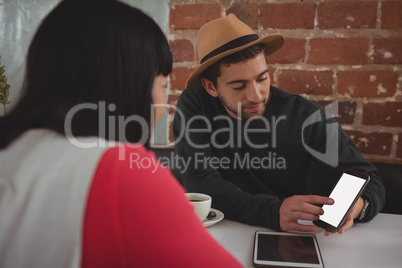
(243, 114)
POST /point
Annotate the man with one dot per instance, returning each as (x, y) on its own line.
(265, 156)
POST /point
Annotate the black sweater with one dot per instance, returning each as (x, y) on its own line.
(250, 166)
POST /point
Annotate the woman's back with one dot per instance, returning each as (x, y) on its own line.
(65, 206)
(44, 181)
(62, 205)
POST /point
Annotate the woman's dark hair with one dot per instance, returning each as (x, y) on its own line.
(89, 51)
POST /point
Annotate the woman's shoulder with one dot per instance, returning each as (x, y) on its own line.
(135, 164)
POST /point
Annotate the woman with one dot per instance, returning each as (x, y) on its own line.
(68, 197)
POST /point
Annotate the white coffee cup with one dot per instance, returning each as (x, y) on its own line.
(201, 204)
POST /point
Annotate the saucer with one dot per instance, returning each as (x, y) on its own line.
(219, 216)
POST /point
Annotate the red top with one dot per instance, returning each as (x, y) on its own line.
(137, 216)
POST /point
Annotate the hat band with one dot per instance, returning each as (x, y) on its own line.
(238, 42)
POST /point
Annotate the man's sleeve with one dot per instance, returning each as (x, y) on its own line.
(348, 157)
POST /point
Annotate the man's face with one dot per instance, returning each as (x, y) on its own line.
(243, 87)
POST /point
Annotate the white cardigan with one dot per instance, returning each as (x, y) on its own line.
(44, 183)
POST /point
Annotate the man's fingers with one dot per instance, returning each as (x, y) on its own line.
(309, 204)
(304, 216)
(301, 227)
(328, 233)
(309, 208)
(346, 225)
(301, 207)
(316, 199)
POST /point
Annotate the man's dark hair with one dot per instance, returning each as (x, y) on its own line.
(214, 71)
(89, 52)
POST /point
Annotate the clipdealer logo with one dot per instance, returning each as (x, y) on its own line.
(330, 156)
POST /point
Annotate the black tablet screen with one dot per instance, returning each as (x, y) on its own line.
(282, 248)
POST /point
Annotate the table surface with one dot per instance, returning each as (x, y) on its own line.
(377, 243)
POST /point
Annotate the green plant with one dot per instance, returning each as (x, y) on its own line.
(4, 89)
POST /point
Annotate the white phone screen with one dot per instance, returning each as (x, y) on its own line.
(343, 194)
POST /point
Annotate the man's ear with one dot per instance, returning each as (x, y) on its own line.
(210, 87)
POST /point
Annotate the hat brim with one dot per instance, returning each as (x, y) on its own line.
(272, 43)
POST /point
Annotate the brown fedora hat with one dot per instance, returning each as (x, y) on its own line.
(224, 36)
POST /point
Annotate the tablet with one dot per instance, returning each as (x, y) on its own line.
(276, 249)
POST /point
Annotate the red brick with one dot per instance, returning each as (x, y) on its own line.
(346, 111)
(391, 14)
(347, 14)
(344, 51)
(271, 72)
(369, 84)
(387, 50)
(192, 16)
(179, 77)
(287, 16)
(308, 82)
(182, 50)
(385, 114)
(172, 100)
(292, 52)
(399, 147)
(246, 12)
(372, 143)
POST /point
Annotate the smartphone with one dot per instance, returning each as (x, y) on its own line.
(278, 249)
(345, 194)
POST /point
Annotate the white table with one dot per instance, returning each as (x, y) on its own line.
(374, 244)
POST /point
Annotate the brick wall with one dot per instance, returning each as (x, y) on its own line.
(350, 51)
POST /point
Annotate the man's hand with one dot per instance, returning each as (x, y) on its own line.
(301, 207)
(349, 220)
